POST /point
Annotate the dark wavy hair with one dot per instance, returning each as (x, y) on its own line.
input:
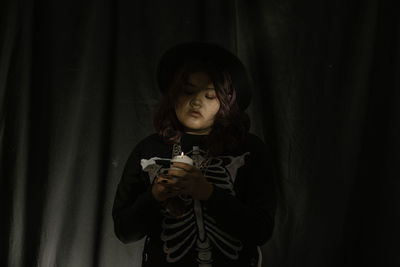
(231, 123)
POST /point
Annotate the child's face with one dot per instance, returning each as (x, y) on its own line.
(197, 106)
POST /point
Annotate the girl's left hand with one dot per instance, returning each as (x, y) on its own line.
(191, 181)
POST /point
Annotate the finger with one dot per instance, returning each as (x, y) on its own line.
(177, 173)
(173, 181)
(172, 188)
(164, 178)
(178, 186)
(162, 181)
(161, 178)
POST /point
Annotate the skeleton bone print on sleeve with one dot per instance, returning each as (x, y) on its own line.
(196, 227)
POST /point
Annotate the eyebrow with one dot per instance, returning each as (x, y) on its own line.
(208, 88)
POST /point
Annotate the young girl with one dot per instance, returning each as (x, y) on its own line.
(217, 207)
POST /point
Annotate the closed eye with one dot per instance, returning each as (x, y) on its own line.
(210, 93)
(210, 96)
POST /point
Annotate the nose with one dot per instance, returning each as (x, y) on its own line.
(196, 100)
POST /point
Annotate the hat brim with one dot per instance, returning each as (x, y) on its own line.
(175, 57)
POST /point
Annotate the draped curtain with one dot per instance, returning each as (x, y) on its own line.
(77, 92)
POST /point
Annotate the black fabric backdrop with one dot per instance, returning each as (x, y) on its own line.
(77, 90)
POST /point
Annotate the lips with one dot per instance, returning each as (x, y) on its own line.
(195, 113)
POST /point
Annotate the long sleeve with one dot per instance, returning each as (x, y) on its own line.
(135, 208)
(250, 215)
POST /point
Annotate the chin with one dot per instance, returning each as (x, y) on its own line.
(193, 126)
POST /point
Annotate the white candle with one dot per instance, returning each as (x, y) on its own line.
(185, 159)
(182, 158)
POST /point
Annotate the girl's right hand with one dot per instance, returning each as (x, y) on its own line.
(164, 188)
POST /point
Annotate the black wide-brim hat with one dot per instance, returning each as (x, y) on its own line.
(175, 57)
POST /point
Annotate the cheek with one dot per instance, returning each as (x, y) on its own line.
(217, 106)
(214, 109)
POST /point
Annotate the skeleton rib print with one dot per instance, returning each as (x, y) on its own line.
(196, 227)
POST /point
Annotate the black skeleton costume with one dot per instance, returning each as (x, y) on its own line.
(225, 230)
